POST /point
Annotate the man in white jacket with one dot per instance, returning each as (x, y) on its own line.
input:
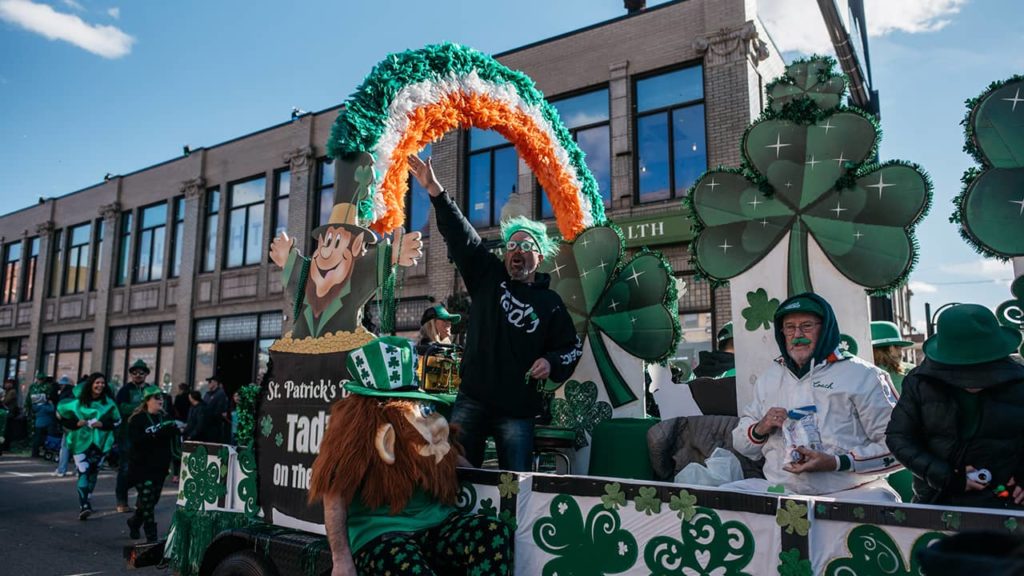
(851, 401)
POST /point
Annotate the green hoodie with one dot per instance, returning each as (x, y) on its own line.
(826, 349)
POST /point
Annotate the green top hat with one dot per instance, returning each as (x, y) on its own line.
(970, 334)
(725, 333)
(353, 183)
(386, 367)
(139, 364)
(440, 312)
(887, 334)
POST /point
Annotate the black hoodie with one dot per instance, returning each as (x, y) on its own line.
(512, 323)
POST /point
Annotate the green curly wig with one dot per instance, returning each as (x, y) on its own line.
(536, 230)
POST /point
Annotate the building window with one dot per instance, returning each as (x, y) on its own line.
(696, 317)
(417, 207)
(670, 142)
(76, 267)
(58, 249)
(97, 254)
(149, 253)
(586, 116)
(151, 343)
(123, 248)
(12, 264)
(68, 354)
(177, 237)
(210, 226)
(29, 284)
(282, 191)
(245, 222)
(14, 358)
(325, 191)
(233, 342)
(493, 173)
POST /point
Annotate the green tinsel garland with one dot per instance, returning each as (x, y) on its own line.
(246, 411)
(193, 531)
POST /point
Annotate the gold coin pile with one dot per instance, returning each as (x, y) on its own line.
(340, 341)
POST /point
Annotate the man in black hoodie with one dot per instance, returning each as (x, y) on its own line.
(521, 333)
(962, 411)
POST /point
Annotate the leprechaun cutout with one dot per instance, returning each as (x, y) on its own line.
(330, 289)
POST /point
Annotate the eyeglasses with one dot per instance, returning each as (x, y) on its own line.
(523, 245)
(802, 328)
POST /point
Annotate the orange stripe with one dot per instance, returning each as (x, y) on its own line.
(431, 122)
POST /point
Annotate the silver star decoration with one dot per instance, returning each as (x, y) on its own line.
(636, 274)
(614, 306)
(827, 126)
(557, 270)
(1021, 203)
(583, 273)
(858, 235)
(712, 184)
(841, 159)
(725, 246)
(838, 209)
(779, 145)
(812, 162)
(764, 222)
(754, 202)
(880, 185)
(1016, 98)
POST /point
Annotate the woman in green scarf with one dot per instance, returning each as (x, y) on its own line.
(151, 435)
(91, 418)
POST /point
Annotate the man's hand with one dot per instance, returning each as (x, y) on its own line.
(423, 172)
(410, 250)
(772, 421)
(541, 369)
(1018, 492)
(812, 461)
(973, 485)
(280, 248)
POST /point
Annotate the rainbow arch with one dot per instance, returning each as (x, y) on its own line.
(414, 97)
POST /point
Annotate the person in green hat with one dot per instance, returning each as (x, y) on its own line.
(888, 345)
(152, 434)
(128, 398)
(961, 412)
(90, 417)
(436, 327)
(38, 392)
(387, 477)
(839, 403)
(720, 363)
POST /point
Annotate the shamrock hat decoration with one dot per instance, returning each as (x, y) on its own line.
(807, 173)
(990, 209)
(386, 367)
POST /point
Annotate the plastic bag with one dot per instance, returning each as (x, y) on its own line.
(801, 429)
(720, 468)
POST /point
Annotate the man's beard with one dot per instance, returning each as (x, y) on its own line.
(319, 303)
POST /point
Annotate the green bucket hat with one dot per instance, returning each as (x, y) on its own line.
(725, 333)
(386, 367)
(139, 364)
(970, 334)
(887, 334)
(440, 312)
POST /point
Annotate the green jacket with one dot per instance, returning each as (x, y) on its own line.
(79, 438)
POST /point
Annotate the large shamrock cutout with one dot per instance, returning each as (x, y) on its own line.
(873, 551)
(598, 546)
(990, 209)
(1011, 312)
(708, 546)
(203, 485)
(805, 175)
(580, 410)
(633, 303)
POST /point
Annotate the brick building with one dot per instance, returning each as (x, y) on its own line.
(169, 263)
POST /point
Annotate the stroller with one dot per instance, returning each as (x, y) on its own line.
(51, 447)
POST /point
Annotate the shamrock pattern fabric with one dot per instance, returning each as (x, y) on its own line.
(873, 551)
(631, 303)
(808, 173)
(990, 208)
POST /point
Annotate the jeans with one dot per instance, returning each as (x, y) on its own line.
(65, 456)
(513, 437)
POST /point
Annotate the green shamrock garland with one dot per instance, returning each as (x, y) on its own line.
(597, 546)
(1011, 312)
(873, 551)
(580, 410)
(634, 303)
(708, 546)
(990, 208)
(807, 173)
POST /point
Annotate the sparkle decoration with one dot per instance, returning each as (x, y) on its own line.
(990, 207)
(808, 173)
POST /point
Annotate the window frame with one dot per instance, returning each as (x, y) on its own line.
(141, 233)
(246, 210)
(494, 220)
(123, 249)
(56, 259)
(211, 230)
(321, 188)
(31, 265)
(177, 229)
(412, 197)
(73, 250)
(9, 284)
(99, 229)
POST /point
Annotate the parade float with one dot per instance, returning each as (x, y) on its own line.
(810, 208)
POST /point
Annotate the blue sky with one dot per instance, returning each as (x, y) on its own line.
(125, 84)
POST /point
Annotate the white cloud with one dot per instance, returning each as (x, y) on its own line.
(923, 287)
(980, 269)
(114, 12)
(106, 41)
(797, 25)
(74, 5)
(921, 326)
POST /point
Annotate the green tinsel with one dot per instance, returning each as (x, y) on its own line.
(386, 303)
(192, 533)
(246, 411)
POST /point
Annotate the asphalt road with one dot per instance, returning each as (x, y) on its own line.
(40, 533)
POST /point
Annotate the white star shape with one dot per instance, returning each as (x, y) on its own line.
(725, 246)
(583, 273)
(858, 235)
(764, 222)
(557, 270)
(586, 242)
(754, 202)
(838, 209)
(1016, 98)
(880, 185)
(602, 265)
(1021, 203)
(632, 319)
(614, 306)
(636, 274)
(712, 184)
(789, 184)
(827, 126)
(841, 159)
(812, 162)
(779, 145)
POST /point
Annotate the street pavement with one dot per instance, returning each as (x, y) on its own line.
(40, 533)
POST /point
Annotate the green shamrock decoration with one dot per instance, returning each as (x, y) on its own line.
(708, 547)
(595, 547)
(791, 564)
(465, 501)
(806, 174)
(990, 208)
(1011, 524)
(279, 439)
(647, 501)
(487, 508)
(203, 485)
(1011, 312)
(248, 487)
(613, 497)
(873, 551)
(632, 303)
(858, 512)
(793, 518)
(951, 520)
(684, 505)
(580, 410)
(899, 516)
(508, 485)
(266, 425)
(509, 518)
(761, 311)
